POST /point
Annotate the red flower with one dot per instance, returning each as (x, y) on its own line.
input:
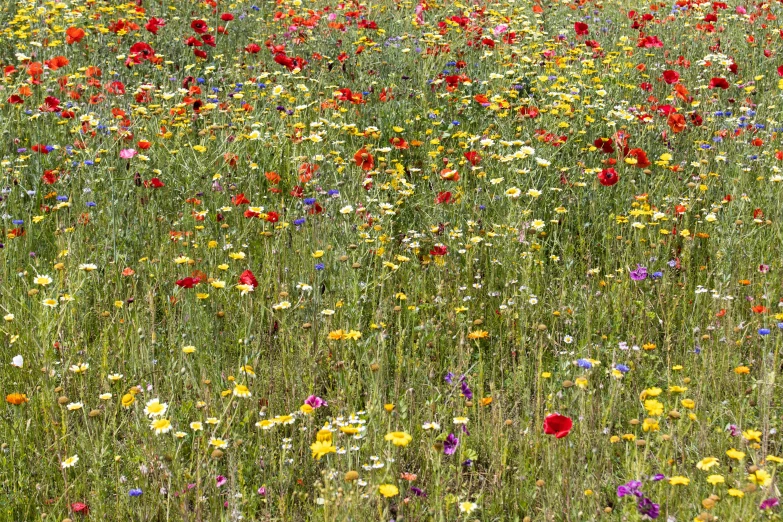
(473, 157)
(188, 282)
(80, 507)
(74, 35)
(240, 199)
(200, 26)
(226, 17)
(608, 177)
(272, 217)
(49, 177)
(247, 278)
(719, 83)
(581, 29)
(252, 48)
(641, 158)
(364, 159)
(154, 25)
(398, 143)
(557, 425)
(154, 183)
(443, 197)
(439, 250)
(671, 77)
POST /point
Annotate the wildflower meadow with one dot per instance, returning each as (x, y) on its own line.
(391, 260)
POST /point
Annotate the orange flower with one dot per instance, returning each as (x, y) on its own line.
(759, 309)
(16, 398)
(74, 35)
(273, 177)
(364, 159)
(410, 477)
(676, 122)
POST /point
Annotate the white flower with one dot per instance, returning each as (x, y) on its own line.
(88, 267)
(70, 462)
(17, 361)
(155, 408)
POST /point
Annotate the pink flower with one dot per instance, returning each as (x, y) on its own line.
(500, 29)
(127, 153)
(315, 402)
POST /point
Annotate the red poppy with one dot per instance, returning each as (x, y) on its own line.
(154, 25)
(154, 183)
(439, 250)
(557, 425)
(719, 83)
(581, 28)
(80, 507)
(473, 157)
(398, 143)
(188, 282)
(252, 48)
(200, 26)
(74, 35)
(608, 177)
(240, 199)
(226, 17)
(364, 159)
(248, 278)
(641, 158)
(273, 217)
(443, 197)
(676, 122)
(49, 177)
(671, 77)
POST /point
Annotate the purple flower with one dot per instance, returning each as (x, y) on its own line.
(647, 508)
(220, 480)
(769, 503)
(418, 492)
(466, 391)
(629, 488)
(315, 402)
(658, 477)
(450, 444)
(262, 491)
(640, 274)
(734, 431)
(449, 378)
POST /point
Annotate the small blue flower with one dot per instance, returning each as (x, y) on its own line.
(92, 204)
(62, 198)
(309, 201)
(584, 363)
(299, 221)
(622, 368)
(135, 492)
(657, 275)
(764, 331)
(319, 266)
(18, 222)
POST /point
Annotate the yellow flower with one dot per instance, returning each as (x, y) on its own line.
(323, 435)
(478, 334)
(306, 409)
(218, 443)
(735, 454)
(388, 490)
(320, 449)
(677, 389)
(760, 478)
(581, 382)
(349, 430)
(318, 253)
(650, 392)
(160, 426)
(388, 407)
(773, 458)
(707, 463)
(398, 438)
(654, 408)
(336, 335)
(688, 404)
(716, 479)
(752, 435)
(240, 390)
(127, 400)
(736, 493)
(678, 480)
(650, 425)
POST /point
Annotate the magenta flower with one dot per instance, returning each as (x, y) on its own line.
(769, 503)
(127, 153)
(315, 402)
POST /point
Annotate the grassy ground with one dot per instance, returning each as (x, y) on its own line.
(353, 261)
